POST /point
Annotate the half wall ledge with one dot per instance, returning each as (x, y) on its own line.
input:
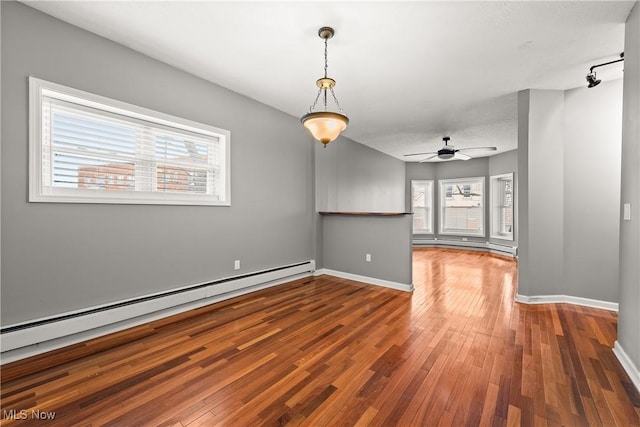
(365, 213)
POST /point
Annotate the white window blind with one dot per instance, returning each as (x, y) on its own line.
(462, 206)
(502, 206)
(422, 206)
(90, 149)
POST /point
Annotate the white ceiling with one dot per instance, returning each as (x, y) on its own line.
(407, 73)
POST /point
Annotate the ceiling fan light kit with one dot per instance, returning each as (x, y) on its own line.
(447, 152)
(325, 125)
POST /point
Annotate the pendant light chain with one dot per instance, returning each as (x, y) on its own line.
(321, 90)
(337, 103)
(325, 58)
(315, 101)
(326, 66)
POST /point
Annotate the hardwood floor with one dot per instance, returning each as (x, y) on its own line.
(327, 351)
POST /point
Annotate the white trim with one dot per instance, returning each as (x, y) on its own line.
(567, 299)
(493, 180)
(49, 336)
(370, 280)
(441, 197)
(38, 192)
(430, 206)
(630, 368)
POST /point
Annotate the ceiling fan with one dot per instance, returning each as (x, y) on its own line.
(449, 152)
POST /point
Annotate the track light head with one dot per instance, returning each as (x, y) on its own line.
(591, 79)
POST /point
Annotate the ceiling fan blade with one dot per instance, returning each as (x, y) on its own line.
(419, 154)
(429, 158)
(461, 156)
(479, 148)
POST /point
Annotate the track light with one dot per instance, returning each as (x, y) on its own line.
(591, 77)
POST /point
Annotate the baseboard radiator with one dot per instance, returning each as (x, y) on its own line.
(38, 336)
(495, 248)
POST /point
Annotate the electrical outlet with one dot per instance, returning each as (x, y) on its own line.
(627, 212)
(236, 264)
(367, 257)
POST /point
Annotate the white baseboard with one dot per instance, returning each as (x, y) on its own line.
(365, 279)
(628, 365)
(567, 299)
(23, 340)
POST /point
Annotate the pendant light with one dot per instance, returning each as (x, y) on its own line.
(324, 125)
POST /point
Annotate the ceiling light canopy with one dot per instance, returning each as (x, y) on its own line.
(325, 125)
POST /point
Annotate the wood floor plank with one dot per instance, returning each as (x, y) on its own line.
(325, 351)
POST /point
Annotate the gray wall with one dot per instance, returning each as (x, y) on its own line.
(546, 190)
(0, 149)
(569, 164)
(525, 273)
(351, 177)
(592, 144)
(347, 239)
(356, 178)
(629, 315)
(61, 257)
(481, 167)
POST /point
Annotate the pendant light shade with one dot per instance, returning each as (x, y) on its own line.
(325, 125)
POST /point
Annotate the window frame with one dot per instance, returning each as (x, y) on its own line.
(495, 199)
(430, 184)
(39, 192)
(441, 219)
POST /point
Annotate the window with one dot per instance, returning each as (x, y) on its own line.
(462, 206)
(86, 148)
(502, 206)
(422, 206)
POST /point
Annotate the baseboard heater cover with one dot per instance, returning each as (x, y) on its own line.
(37, 331)
(469, 244)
